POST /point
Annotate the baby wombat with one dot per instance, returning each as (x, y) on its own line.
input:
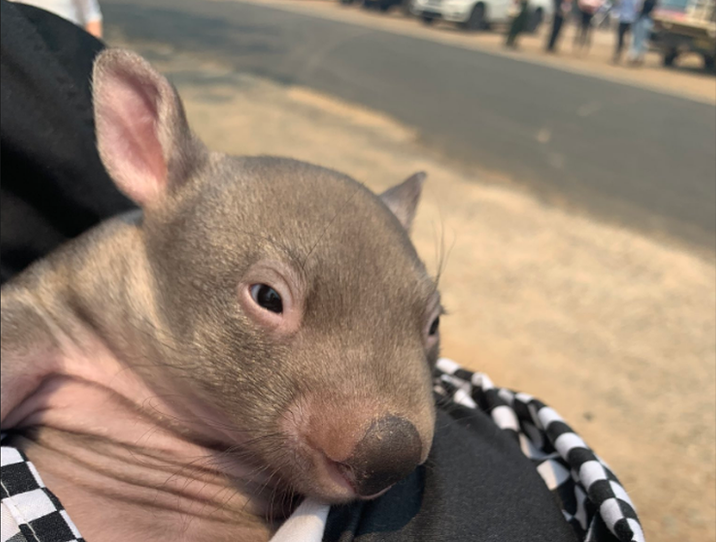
(262, 329)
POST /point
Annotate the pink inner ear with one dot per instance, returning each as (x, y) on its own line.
(128, 136)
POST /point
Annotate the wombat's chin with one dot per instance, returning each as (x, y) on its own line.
(331, 484)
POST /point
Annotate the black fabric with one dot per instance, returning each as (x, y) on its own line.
(586, 20)
(622, 31)
(557, 22)
(54, 186)
(647, 7)
(476, 486)
(583, 37)
(518, 24)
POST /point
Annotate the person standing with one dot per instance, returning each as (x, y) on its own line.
(84, 13)
(562, 8)
(641, 32)
(627, 14)
(583, 37)
(519, 22)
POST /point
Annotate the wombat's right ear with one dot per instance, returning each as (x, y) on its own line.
(403, 199)
(142, 133)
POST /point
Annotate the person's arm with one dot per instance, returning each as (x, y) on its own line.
(91, 16)
(94, 28)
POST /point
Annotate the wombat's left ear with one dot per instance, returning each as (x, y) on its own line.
(142, 134)
(403, 198)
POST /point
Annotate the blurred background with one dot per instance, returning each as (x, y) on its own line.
(571, 195)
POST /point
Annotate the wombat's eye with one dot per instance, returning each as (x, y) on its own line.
(266, 297)
(434, 326)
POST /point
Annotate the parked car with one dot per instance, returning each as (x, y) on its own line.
(479, 14)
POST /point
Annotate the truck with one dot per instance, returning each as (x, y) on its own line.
(685, 26)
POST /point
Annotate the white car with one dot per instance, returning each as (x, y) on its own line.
(479, 14)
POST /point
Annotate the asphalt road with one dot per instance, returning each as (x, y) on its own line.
(638, 157)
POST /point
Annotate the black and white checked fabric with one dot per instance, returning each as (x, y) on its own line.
(593, 501)
(30, 512)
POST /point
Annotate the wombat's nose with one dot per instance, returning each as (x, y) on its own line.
(388, 452)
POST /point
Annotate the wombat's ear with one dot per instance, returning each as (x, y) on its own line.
(142, 133)
(403, 198)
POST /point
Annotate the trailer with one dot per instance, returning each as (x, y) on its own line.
(685, 26)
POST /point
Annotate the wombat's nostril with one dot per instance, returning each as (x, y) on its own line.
(388, 452)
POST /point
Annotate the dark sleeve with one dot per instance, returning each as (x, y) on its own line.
(476, 486)
(54, 186)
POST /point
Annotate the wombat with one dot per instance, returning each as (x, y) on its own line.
(261, 330)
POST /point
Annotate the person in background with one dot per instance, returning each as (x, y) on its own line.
(84, 13)
(627, 14)
(641, 32)
(583, 37)
(519, 22)
(562, 9)
(603, 16)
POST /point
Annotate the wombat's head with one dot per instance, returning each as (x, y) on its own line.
(294, 315)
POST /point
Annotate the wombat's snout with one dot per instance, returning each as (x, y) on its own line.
(348, 450)
(388, 452)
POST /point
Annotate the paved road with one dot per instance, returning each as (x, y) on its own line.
(635, 156)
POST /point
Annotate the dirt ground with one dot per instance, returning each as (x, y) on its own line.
(614, 330)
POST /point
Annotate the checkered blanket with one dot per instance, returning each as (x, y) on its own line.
(30, 512)
(592, 500)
